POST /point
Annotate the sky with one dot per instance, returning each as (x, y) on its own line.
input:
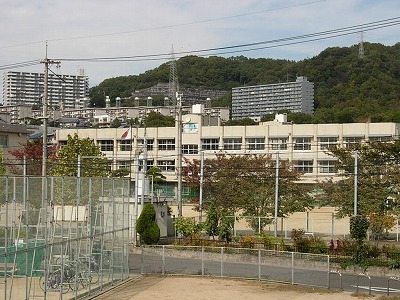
(79, 32)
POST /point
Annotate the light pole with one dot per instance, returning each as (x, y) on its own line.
(355, 181)
(276, 195)
(201, 186)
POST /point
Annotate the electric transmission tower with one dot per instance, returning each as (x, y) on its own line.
(361, 46)
(173, 87)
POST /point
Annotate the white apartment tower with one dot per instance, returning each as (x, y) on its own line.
(25, 88)
(257, 101)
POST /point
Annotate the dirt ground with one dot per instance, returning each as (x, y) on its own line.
(199, 288)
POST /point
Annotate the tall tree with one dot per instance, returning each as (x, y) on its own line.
(32, 153)
(378, 183)
(155, 119)
(2, 163)
(245, 185)
(93, 161)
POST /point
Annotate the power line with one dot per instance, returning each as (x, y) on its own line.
(171, 26)
(299, 39)
(254, 46)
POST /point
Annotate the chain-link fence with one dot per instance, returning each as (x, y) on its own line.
(62, 237)
(321, 222)
(260, 264)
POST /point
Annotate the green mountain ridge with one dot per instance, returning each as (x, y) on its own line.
(347, 88)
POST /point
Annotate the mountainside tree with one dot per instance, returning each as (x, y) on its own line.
(347, 88)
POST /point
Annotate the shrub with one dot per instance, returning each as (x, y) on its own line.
(317, 245)
(151, 234)
(247, 242)
(301, 242)
(269, 242)
(188, 227)
(146, 225)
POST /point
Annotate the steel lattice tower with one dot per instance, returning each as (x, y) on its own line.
(173, 87)
(361, 46)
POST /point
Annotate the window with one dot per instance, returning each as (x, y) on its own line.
(166, 144)
(327, 142)
(190, 149)
(256, 143)
(278, 143)
(304, 166)
(302, 143)
(125, 145)
(124, 164)
(210, 144)
(232, 143)
(149, 142)
(380, 138)
(106, 145)
(150, 164)
(326, 166)
(63, 143)
(3, 141)
(166, 165)
(350, 142)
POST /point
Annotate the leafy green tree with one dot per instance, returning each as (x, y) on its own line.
(2, 165)
(211, 225)
(146, 225)
(115, 123)
(157, 179)
(35, 122)
(121, 172)
(245, 184)
(378, 183)
(358, 231)
(378, 179)
(187, 227)
(156, 175)
(93, 162)
(155, 119)
(240, 122)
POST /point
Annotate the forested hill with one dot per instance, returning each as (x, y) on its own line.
(347, 88)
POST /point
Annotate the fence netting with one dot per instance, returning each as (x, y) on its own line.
(62, 237)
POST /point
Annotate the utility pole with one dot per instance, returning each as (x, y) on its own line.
(179, 146)
(144, 167)
(47, 62)
(355, 181)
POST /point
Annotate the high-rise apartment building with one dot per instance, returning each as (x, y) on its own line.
(257, 101)
(24, 88)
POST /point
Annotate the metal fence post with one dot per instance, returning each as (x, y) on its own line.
(202, 260)
(222, 261)
(292, 268)
(259, 264)
(141, 261)
(163, 260)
